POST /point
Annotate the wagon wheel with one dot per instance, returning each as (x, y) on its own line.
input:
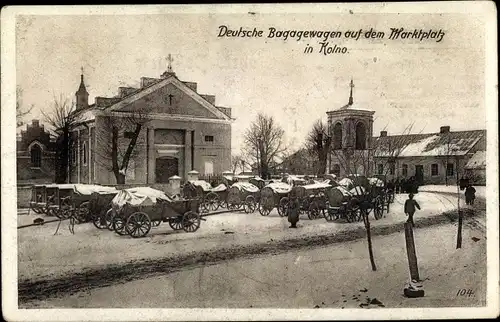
(212, 199)
(222, 203)
(263, 210)
(283, 207)
(377, 209)
(82, 212)
(191, 222)
(330, 215)
(36, 210)
(313, 212)
(204, 207)
(356, 214)
(175, 223)
(119, 225)
(304, 207)
(100, 221)
(138, 224)
(250, 204)
(66, 209)
(156, 223)
(108, 217)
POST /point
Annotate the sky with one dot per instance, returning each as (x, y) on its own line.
(403, 81)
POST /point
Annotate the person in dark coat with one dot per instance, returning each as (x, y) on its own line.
(397, 185)
(293, 212)
(410, 207)
(470, 195)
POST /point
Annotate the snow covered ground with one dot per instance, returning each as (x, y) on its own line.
(337, 276)
(480, 190)
(42, 255)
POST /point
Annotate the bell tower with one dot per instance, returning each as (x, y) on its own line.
(82, 96)
(351, 128)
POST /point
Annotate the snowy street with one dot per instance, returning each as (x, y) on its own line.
(336, 276)
(93, 254)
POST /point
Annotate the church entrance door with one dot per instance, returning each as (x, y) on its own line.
(166, 167)
(419, 174)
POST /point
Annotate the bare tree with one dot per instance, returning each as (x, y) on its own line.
(21, 111)
(237, 162)
(117, 139)
(318, 144)
(62, 118)
(264, 143)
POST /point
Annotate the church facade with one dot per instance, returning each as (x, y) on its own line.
(441, 157)
(173, 130)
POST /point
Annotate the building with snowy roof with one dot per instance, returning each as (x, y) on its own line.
(431, 158)
(175, 128)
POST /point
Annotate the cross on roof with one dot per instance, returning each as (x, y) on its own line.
(350, 96)
(170, 60)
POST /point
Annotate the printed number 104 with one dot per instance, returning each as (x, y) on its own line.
(465, 292)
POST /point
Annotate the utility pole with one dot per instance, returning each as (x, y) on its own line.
(460, 215)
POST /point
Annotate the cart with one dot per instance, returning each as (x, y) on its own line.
(210, 198)
(243, 194)
(100, 208)
(258, 182)
(274, 195)
(342, 204)
(135, 209)
(38, 201)
(312, 198)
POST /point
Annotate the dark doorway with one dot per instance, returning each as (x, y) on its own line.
(419, 174)
(166, 167)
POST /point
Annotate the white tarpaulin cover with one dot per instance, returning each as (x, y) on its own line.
(280, 187)
(344, 191)
(345, 182)
(88, 189)
(202, 183)
(247, 186)
(220, 188)
(61, 186)
(376, 182)
(139, 196)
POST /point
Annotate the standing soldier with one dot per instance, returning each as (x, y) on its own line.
(410, 206)
(293, 211)
(470, 195)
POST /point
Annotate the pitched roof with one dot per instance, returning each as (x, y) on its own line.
(169, 80)
(477, 161)
(430, 144)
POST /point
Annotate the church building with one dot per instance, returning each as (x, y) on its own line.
(171, 128)
(442, 157)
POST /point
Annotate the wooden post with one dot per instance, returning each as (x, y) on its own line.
(460, 217)
(410, 250)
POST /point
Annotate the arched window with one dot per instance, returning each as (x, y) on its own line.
(337, 136)
(36, 156)
(360, 136)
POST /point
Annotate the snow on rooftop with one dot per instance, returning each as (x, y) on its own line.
(477, 161)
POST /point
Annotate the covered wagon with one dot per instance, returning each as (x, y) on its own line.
(274, 195)
(312, 198)
(243, 194)
(136, 209)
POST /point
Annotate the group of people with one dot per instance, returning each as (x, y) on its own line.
(403, 185)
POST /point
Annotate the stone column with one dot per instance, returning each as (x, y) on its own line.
(193, 175)
(187, 154)
(175, 185)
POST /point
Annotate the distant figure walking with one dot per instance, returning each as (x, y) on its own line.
(410, 207)
(397, 186)
(470, 195)
(293, 212)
